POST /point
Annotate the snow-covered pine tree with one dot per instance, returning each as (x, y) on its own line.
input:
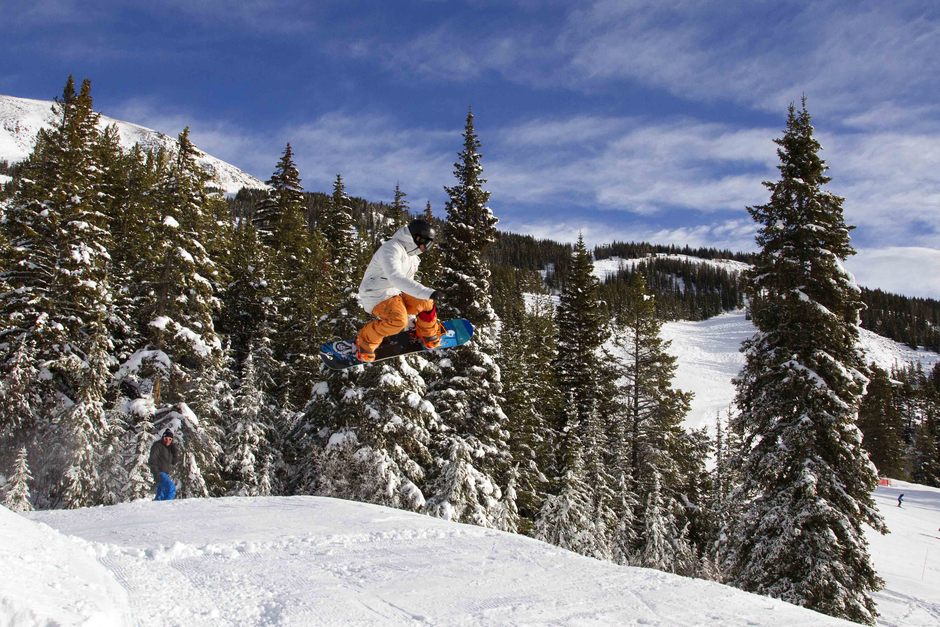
(16, 490)
(807, 483)
(290, 264)
(281, 212)
(659, 531)
(60, 296)
(532, 401)
(348, 261)
(623, 537)
(508, 517)
(183, 283)
(430, 271)
(472, 442)
(140, 436)
(248, 307)
(341, 239)
(384, 456)
(567, 516)
(112, 472)
(397, 217)
(582, 329)
(20, 402)
(247, 445)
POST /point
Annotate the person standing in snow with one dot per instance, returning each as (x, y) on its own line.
(900, 498)
(389, 292)
(163, 456)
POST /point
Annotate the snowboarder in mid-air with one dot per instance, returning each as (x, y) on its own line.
(390, 293)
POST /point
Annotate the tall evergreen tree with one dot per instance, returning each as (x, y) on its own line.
(807, 482)
(652, 410)
(532, 402)
(397, 217)
(341, 238)
(60, 295)
(184, 347)
(467, 392)
(581, 332)
(247, 437)
(16, 491)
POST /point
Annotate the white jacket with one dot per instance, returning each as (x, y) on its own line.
(392, 271)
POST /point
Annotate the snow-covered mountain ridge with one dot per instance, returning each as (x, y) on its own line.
(22, 118)
(604, 268)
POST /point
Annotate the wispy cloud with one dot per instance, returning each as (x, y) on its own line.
(902, 270)
(849, 58)
(632, 164)
(245, 148)
(373, 153)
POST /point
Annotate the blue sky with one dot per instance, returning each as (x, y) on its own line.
(632, 120)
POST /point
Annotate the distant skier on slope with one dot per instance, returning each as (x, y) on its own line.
(389, 292)
(900, 498)
(163, 457)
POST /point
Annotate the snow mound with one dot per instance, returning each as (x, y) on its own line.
(21, 119)
(309, 560)
(50, 579)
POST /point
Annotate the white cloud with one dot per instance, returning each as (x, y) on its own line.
(373, 153)
(890, 184)
(912, 271)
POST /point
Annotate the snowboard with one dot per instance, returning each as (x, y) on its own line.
(342, 354)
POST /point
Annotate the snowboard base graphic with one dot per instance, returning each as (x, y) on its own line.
(342, 354)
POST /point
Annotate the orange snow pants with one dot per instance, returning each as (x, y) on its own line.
(392, 317)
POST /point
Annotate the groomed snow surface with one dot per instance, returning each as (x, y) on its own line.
(313, 561)
(319, 561)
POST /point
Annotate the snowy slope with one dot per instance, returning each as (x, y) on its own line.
(604, 268)
(908, 558)
(309, 560)
(708, 358)
(21, 119)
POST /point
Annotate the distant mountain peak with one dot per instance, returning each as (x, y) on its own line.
(22, 118)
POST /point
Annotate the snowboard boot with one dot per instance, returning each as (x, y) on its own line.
(428, 329)
(363, 355)
(432, 341)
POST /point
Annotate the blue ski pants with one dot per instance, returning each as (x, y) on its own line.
(166, 489)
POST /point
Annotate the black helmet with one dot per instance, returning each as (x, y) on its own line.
(421, 232)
